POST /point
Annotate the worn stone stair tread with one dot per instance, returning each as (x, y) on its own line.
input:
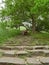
(44, 60)
(14, 60)
(35, 50)
(16, 47)
(23, 47)
(7, 47)
(22, 52)
(42, 51)
(47, 46)
(46, 51)
(39, 47)
(39, 60)
(34, 61)
(14, 52)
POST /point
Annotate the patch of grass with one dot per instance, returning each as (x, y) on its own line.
(22, 56)
(40, 39)
(1, 54)
(31, 39)
(40, 36)
(6, 34)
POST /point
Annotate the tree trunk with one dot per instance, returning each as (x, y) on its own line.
(33, 24)
(33, 27)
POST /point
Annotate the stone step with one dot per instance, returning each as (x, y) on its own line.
(25, 52)
(7, 64)
(40, 47)
(13, 53)
(9, 53)
(44, 60)
(36, 52)
(12, 60)
(39, 52)
(39, 60)
(21, 52)
(7, 47)
(31, 47)
(23, 47)
(16, 47)
(33, 61)
(46, 52)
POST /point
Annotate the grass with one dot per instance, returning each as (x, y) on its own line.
(40, 38)
(41, 35)
(6, 34)
(31, 39)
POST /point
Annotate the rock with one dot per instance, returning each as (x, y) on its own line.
(36, 52)
(44, 60)
(21, 28)
(39, 47)
(24, 47)
(33, 61)
(17, 61)
(21, 52)
(13, 53)
(46, 52)
(47, 47)
(9, 52)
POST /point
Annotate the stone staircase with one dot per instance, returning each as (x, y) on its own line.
(24, 55)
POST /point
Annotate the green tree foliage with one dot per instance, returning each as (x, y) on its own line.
(22, 10)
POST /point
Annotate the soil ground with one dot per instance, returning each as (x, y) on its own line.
(27, 40)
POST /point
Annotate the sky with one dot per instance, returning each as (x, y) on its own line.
(0, 1)
(1, 4)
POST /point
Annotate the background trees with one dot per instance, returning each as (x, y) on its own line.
(27, 10)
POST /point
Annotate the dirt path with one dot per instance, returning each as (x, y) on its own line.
(26, 40)
(20, 40)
